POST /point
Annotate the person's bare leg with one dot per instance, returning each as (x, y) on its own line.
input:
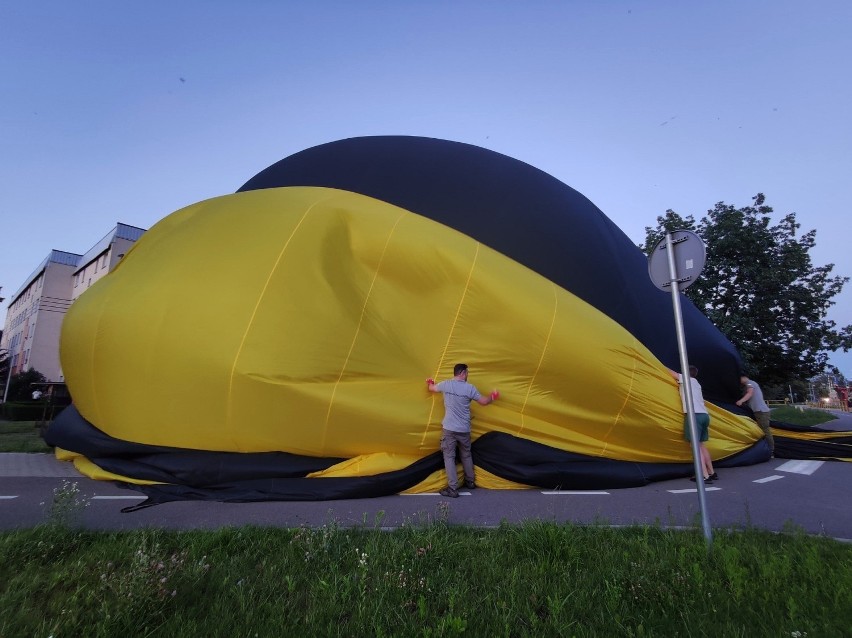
(706, 461)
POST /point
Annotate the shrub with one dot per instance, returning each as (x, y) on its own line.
(22, 411)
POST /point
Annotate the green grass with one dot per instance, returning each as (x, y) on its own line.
(21, 436)
(807, 416)
(428, 579)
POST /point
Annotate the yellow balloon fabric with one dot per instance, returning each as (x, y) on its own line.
(306, 320)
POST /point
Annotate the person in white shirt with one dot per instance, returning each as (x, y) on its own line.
(702, 421)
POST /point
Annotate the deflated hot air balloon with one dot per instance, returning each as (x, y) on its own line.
(272, 343)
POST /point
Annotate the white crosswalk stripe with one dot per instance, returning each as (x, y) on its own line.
(693, 490)
(800, 467)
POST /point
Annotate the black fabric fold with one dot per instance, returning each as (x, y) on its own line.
(70, 431)
(279, 476)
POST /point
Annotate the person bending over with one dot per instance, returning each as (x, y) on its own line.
(753, 397)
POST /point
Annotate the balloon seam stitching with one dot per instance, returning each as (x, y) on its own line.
(627, 398)
(541, 358)
(260, 299)
(358, 327)
(450, 337)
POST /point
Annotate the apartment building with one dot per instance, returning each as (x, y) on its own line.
(103, 257)
(36, 310)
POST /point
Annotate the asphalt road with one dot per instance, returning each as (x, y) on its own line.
(812, 496)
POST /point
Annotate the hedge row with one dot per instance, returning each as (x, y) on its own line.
(12, 411)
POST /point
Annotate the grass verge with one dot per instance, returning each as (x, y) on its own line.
(807, 416)
(22, 436)
(538, 579)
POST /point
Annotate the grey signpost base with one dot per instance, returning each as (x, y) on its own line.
(682, 264)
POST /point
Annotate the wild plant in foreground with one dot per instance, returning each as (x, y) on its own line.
(361, 579)
(67, 506)
(443, 512)
(144, 582)
(150, 574)
(315, 542)
(411, 582)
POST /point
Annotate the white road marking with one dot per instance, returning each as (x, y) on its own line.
(767, 479)
(118, 498)
(693, 490)
(7, 498)
(800, 467)
(560, 492)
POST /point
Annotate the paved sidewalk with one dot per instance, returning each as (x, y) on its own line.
(22, 464)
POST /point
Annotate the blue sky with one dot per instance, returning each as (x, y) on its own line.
(116, 111)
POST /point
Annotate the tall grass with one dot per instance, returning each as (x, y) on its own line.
(428, 579)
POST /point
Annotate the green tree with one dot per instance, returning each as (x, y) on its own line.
(760, 288)
(20, 386)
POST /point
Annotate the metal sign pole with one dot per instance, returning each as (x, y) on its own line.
(687, 391)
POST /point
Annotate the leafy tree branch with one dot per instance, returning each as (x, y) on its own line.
(761, 289)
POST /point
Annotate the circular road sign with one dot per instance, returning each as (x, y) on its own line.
(689, 258)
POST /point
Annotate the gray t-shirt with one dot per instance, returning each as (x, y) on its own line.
(457, 398)
(756, 402)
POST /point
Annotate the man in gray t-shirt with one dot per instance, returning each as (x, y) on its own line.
(754, 398)
(458, 394)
